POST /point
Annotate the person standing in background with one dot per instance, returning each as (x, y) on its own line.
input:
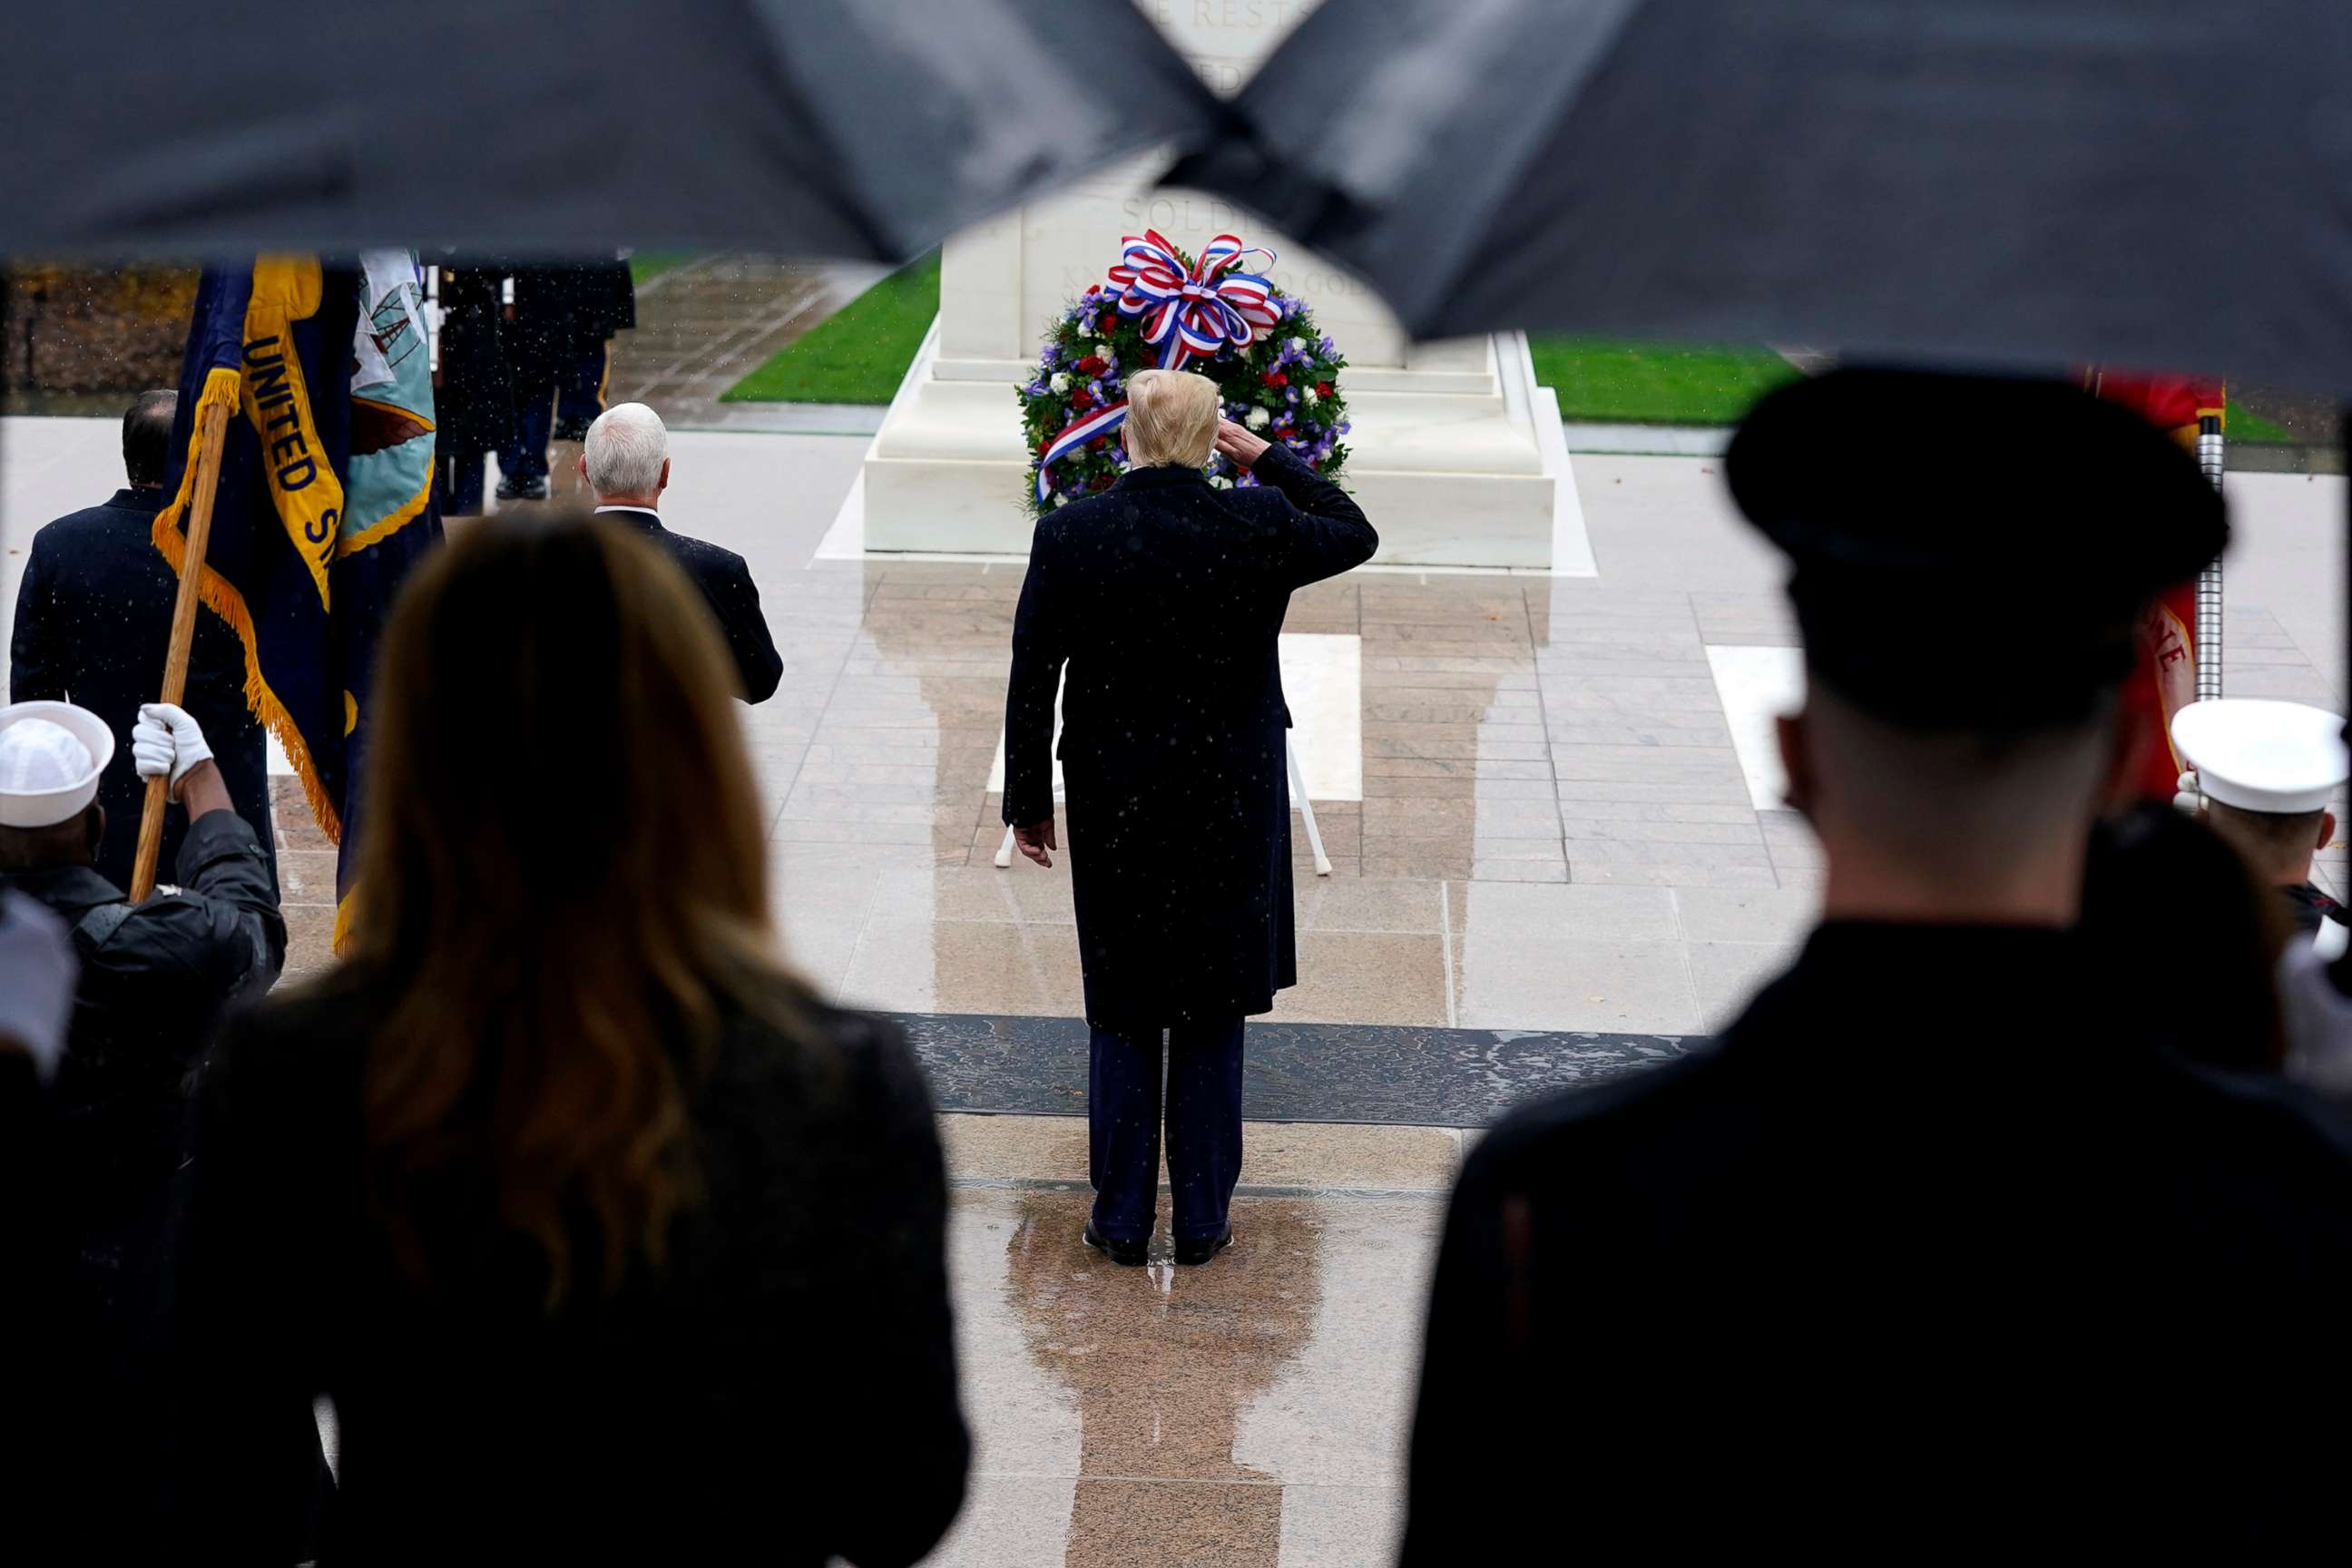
(564, 317)
(2266, 771)
(473, 385)
(625, 462)
(94, 625)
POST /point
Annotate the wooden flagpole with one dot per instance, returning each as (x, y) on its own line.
(211, 428)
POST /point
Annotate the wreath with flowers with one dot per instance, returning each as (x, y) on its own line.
(1214, 315)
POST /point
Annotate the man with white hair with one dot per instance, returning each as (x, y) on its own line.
(154, 980)
(626, 461)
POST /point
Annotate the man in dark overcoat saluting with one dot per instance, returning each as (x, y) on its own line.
(1164, 597)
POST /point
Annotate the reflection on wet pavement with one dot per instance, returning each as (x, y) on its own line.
(1250, 1410)
(1537, 748)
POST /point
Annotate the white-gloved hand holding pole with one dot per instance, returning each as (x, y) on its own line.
(2192, 797)
(167, 743)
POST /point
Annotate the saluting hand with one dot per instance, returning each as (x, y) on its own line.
(1238, 445)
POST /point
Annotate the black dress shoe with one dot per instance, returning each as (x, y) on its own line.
(1192, 1252)
(1126, 1253)
(522, 489)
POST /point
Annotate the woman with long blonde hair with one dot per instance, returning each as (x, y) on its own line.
(606, 1238)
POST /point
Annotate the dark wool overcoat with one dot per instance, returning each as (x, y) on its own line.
(1156, 605)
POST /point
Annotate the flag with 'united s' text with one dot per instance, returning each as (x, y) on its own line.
(325, 496)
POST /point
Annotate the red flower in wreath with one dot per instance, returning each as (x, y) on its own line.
(1322, 389)
(1082, 400)
(1109, 322)
(1098, 444)
(1102, 481)
(1274, 378)
(1093, 364)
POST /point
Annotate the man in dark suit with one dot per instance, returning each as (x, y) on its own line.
(93, 624)
(1926, 1259)
(1164, 597)
(626, 461)
(560, 336)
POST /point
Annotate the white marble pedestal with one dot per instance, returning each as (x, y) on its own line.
(1455, 453)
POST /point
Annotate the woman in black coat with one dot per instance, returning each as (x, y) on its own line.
(607, 1239)
(1163, 597)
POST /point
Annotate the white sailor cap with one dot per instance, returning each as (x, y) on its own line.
(2259, 755)
(51, 755)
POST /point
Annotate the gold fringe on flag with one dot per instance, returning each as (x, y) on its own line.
(224, 386)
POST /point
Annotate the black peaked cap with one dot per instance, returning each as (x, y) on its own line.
(1969, 552)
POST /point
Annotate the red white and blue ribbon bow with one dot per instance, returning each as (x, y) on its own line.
(1186, 312)
(1195, 311)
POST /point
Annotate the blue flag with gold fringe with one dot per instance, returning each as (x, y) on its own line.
(325, 499)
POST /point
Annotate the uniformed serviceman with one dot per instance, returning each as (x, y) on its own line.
(559, 337)
(2266, 771)
(1920, 1258)
(154, 979)
(2262, 773)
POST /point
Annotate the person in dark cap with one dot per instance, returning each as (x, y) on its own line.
(1920, 1257)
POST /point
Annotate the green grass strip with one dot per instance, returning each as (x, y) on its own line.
(647, 265)
(860, 353)
(1602, 380)
(2245, 424)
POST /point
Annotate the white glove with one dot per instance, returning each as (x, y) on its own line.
(2190, 799)
(37, 981)
(166, 741)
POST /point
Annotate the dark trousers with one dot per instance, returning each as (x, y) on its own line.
(461, 476)
(567, 392)
(1204, 1128)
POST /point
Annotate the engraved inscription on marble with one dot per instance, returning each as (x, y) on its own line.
(1226, 40)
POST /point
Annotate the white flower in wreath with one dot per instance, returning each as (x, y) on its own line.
(1298, 345)
(1259, 419)
(1101, 349)
(1060, 384)
(1221, 482)
(1310, 397)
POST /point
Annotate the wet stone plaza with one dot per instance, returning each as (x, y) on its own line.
(1558, 854)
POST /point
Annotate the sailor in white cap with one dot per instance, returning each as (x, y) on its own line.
(2266, 771)
(153, 975)
(154, 979)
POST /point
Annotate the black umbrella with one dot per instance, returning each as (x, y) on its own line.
(842, 127)
(2162, 183)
